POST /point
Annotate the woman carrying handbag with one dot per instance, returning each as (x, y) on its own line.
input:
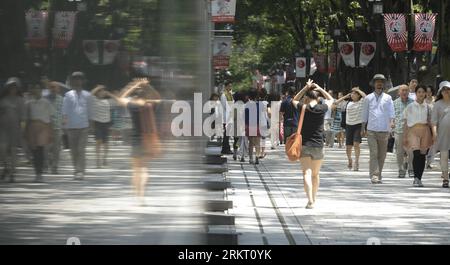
(311, 154)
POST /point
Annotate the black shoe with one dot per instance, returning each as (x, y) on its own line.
(257, 161)
(445, 184)
(242, 159)
(234, 157)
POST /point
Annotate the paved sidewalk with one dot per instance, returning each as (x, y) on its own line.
(269, 204)
(102, 209)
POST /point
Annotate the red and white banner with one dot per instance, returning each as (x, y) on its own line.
(313, 67)
(347, 50)
(223, 11)
(37, 28)
(300, 67)
(396, 33)
(423, 39)
(334, 59)
(222, 52)
(319, 59)
(367, 53)
(110, 50)
(91, 51)
(63, 29)
(101, 52)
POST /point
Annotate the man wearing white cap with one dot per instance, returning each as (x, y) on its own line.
(440, 120)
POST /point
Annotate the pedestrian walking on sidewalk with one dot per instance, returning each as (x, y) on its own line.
(404, 156)
(264, 120)
(38, 129)
(252, 126)
(430, 101)
(289, 114)
(76, 117)
(140, 98)
(227, 100)
(101, 116)
(417, 132)
(413, 83)
(274, 117)
(353, 123)
(378, 114)
(54, 148)
(12, 114)
(440, 120)
(312, 135)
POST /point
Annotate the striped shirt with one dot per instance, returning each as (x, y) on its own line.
(354, 112)
(101, 110)
(399, 107)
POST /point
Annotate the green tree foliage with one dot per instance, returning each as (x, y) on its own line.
(268, 31)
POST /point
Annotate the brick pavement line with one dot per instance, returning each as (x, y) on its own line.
(287, 202)
(258, 218)
(280, 216)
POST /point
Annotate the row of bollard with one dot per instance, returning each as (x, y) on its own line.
(220, 220)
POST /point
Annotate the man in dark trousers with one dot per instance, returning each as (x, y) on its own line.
(289, 113)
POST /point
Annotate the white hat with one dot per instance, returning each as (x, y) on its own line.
(442, 85)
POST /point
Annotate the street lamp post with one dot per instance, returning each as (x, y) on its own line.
(327, 40)
(337, 34)
(377, 8)
(308, 60)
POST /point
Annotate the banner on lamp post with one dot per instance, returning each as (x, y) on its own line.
(300, 67)
(319, 59)
(367, 53)
(347, 51)
(313, 66)
(423, 38)
(222, 52)
(396, 33)
(223, 11)
(333, 62)
(110, 50)
(101, 52)
(63, 29)
(37, 28)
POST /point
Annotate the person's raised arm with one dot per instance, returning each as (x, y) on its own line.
(97, 89)
(302, 92)
(343, 98)
(325, 94)
(359, 91)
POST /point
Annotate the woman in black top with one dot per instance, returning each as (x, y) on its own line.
(312, 136)
(139, 97)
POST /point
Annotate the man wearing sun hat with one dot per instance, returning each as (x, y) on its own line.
(378, 114)
(76, 115)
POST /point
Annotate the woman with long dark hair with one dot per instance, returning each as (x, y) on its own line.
(38, 130)
(417, 132)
